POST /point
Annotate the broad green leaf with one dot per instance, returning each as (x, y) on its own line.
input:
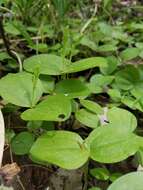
(126, 78)
(72, 88)
(62, 148)
(110, 144)
(130, 181)
(100, 173)
(87, 118)
(137, 91)
(85, 41)
(114, 94)
(48, 83)
(105, 28)
(54, 108)
(112, 65)
(107, 48)
(47, 64)
(4, 55)
(132, 103)
(54, 65)
(122, 118)
(92, 106)
(19, 89)
(130, 53)
(98, 83)
(85, 64)
(22, 143)
(11, 29)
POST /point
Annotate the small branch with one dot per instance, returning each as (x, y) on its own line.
(90, 20)
(19, 60)
(23, 40)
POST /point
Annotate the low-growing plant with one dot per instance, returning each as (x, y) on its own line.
(112, 139)
(59, 90)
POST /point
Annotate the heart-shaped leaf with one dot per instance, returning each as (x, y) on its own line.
(130, 181)
(122, 118)
(127, 78)
(22, 143)
(63, 148)
(87, 118)
(19, 89)
(109, 145)
(54, 108)
(47, 64)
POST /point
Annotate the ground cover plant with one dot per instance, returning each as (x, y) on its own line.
(71, 94)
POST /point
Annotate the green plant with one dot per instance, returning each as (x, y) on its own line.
(58, 93)
(58, 147)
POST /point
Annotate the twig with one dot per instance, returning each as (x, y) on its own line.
(90, 20)
(6, 9)
(23, 40)
(19, 60)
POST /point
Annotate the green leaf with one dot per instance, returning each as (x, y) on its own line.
(19, 89)
(114, 94)
(99, 82)
(62, 148)
(100, 173)
(132, 103)
(11, 29)
(112, 65)
(139, 156)
(122, 118)
(54, 108)
(73, 88)
(22, 143)
(85, 64)
(106, 3)
(107, 48)
(85, 41)
(4, 55)
(87, 118)
(47, 64)
(48, 83)
(61, 6)
(110, 144)
(126, 78)
(54, 65)
(92, 106)
(129, 53)
(130, 181)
